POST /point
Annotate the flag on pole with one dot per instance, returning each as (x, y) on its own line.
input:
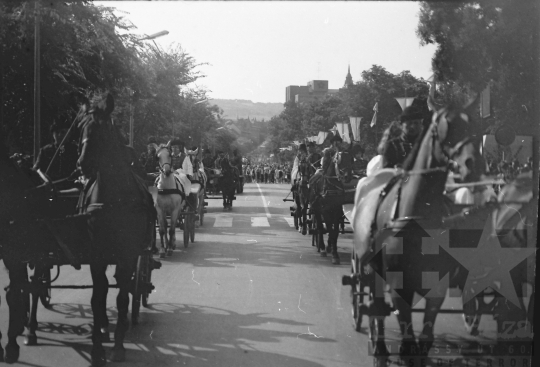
(405, 102)
(355, 127)
(374, 119)
(343, 129)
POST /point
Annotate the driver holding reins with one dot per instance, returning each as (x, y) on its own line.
(396, 150)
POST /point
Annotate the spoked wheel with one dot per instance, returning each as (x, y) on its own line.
(45, 295)
(186, 231)
(191, 221)
(201, 209)
(357, 298)
(138, 283)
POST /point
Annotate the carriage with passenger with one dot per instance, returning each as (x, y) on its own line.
(113, 224)
(405, 226)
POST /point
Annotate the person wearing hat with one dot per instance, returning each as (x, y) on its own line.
(396, 150)
(220, 156)
(65, 162)
(180, 159)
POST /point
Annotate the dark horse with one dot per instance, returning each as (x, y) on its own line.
(227, 183)
(122, 226)
(301, 196)
(329, 189)
(414, 195)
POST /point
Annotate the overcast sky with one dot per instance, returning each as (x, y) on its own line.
(256, 49)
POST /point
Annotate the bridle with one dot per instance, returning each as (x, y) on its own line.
(161, 166)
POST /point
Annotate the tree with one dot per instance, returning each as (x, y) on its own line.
(486, 42)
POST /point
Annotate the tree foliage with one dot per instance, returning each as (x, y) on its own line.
(88, 49)
(299, 121)
(486, 42)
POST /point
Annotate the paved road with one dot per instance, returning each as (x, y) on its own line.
(250, 291)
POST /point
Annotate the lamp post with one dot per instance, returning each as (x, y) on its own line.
(131, 106)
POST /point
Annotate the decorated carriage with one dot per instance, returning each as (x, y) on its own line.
(405, 227)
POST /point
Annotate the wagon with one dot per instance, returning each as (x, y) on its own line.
(73, 247)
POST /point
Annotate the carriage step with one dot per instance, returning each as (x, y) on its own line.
(155, 264)
(205, 203)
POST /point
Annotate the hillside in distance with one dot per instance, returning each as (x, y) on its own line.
(244, 108)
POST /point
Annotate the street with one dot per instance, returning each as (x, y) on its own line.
(251, 291)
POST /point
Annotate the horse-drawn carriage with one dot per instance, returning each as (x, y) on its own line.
(114, 225)
(225, 180)
(404, 226)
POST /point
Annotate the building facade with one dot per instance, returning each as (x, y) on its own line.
(315, 89)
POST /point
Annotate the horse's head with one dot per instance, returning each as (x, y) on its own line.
(164, 155)
(457, 141)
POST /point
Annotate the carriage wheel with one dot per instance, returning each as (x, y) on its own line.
(137, 289)
(45, 295)
(357, 299)
(191, 221)
(186, 231)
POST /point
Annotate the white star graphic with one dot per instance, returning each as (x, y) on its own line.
(489, 264)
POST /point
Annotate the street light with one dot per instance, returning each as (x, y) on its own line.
(150, 37)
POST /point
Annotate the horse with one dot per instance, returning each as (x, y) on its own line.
(397, 203)
(328, 191)
(227, 183)
(123, 223)
(301, 196)
(169, 199)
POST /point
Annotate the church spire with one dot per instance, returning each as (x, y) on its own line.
(348, 78)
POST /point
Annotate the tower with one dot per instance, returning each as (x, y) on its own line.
(348, 79)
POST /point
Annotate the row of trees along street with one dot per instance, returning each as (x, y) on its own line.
(86, 50)
(478, 44)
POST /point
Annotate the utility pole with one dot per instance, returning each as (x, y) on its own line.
(37, 84)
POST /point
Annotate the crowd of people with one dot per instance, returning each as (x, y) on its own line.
(268, 173)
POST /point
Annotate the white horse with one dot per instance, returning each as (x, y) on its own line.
(169, 199)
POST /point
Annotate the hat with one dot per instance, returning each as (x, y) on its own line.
(411, 113)
(151, 140)
(311, 144)
(302, 146)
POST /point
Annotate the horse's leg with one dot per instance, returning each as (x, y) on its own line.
(334, 234)
(15, 293)
(426, 339)
(304, 215)
(98, 302)
(404, 316)
(162, 232)
(171, 244)
(31, 337)
(124, 273)
(320, 234)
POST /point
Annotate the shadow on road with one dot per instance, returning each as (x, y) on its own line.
(169, 334)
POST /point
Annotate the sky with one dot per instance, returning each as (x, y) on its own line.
(254, 50)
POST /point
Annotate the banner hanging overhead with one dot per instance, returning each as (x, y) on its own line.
(405, 102)
(355, 127)
(343, 129)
